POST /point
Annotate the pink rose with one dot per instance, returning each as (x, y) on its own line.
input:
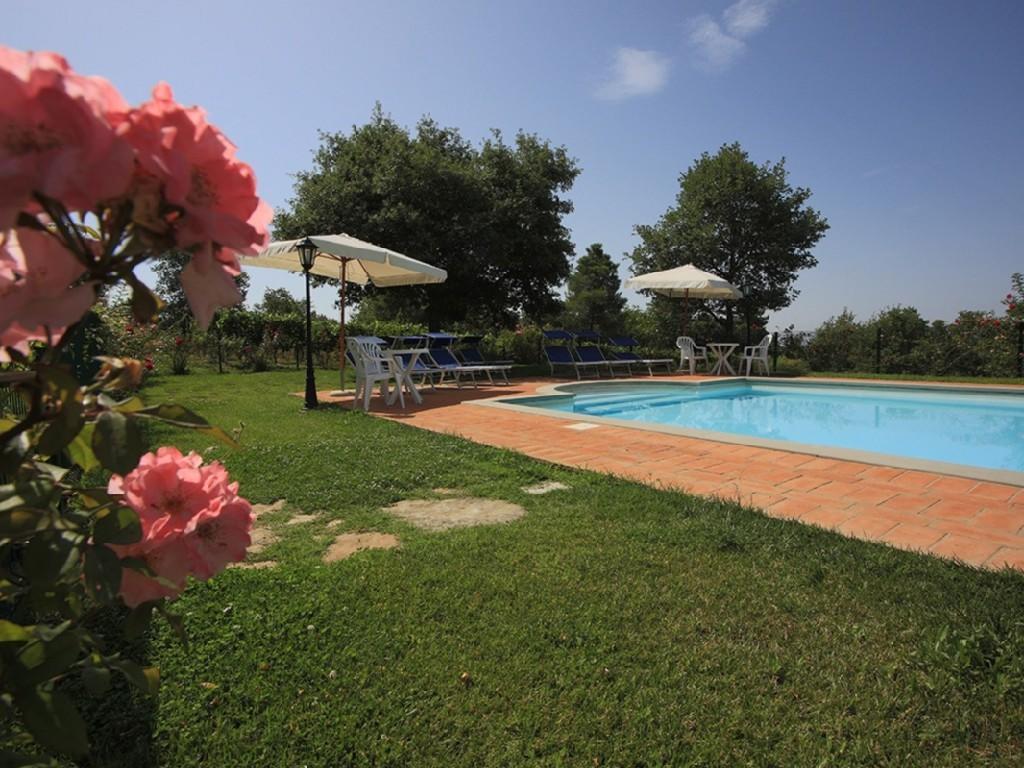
(209, 283)
(57, 136)
(37, 300)
(193, 521)
(197, 167)
(169, 563)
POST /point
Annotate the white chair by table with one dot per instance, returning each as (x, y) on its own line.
(757, 354)
(690, 354)
(372, 367)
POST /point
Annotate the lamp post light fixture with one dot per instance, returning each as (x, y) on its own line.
(307, 255)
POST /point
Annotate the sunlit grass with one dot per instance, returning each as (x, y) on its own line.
(613, 625)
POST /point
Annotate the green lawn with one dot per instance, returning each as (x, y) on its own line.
(613, 625)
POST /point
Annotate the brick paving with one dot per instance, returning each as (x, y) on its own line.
(979, 523)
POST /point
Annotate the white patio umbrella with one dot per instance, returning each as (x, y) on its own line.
(349, 260)
(685, 282)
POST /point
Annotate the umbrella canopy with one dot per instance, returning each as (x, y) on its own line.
(685, 282)
(348, 259)
(364, 262)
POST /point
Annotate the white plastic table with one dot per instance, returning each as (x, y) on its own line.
(402, 362)
(721, 353)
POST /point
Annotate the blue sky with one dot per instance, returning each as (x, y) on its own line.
(904, 118)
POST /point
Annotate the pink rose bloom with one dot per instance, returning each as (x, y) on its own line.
(37, 300)
(219, 535)
(193, 521)
(196, 164)
(209, 283)
(195, 167)
(169, 563)
(57, 136)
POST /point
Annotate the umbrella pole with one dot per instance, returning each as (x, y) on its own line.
(686, 303)
(341, 327)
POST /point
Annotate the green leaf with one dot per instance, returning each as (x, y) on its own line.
(41, 660)
(96, 679)
(138, 620)
(129, 405)
(50, 554)
(53, 721)
(13, 633)
(102, 573)
(18, 523)
(70, 418)
(95, 497)
(117, 442)
(116, 525)
(176, 623)
(80, 449)
(146, 679)
(179, 416)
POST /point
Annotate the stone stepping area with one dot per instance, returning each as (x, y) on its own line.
(979, 523)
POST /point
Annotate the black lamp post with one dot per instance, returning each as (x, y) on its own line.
(307, 254)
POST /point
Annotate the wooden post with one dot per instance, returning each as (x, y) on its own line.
(341, 329)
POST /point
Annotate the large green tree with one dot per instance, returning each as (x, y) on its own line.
(491, 215)
(741, 221)
(592, 299)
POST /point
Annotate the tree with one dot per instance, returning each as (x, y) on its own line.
(489, 215)
(278, 301)
(741, 221)
(593, 301)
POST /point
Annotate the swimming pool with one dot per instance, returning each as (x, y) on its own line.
(924, 424)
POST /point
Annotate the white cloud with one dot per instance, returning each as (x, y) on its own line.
(717, 48)
(634, 73)
(747, 17)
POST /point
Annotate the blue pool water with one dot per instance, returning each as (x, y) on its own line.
(976, 429)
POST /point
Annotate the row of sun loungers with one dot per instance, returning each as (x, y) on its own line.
(580, 354)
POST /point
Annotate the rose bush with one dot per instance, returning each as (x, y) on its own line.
(90, 189)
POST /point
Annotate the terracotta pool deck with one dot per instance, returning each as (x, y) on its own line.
(980, 523)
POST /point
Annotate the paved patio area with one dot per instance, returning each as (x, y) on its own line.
(980, 523)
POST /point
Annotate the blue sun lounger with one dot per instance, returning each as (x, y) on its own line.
(631, 357)
(594, 356)
(561, 357)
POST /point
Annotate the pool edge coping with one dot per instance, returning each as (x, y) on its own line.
(1004, 476)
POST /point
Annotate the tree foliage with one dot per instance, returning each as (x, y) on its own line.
(491, 215)
(741, 221)
(593, 301)
(278, 301)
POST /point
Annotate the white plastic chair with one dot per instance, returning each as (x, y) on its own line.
(371, 368)
(690, 354)
(757, 354)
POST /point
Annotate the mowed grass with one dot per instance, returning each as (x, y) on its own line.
(614, 624)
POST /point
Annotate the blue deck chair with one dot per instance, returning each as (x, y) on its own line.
(594, 356)
(628, 355)
(561, 357)
(449, 364)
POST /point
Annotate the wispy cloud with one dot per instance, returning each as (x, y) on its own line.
(634, 73)
(747, 17)
(717, 45)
